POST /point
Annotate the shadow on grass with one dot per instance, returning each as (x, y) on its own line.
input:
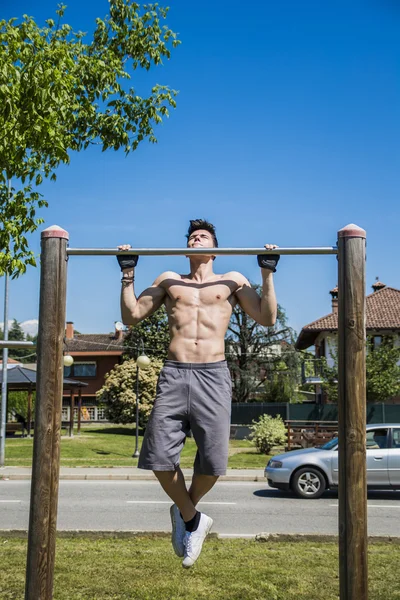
(105, 453)
(116, 431)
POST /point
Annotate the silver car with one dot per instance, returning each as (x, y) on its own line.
(309, 472)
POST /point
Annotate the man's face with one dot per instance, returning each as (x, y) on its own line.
(201, 238)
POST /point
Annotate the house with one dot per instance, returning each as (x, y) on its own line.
(94, 354)
(382, 319)
(11, 363)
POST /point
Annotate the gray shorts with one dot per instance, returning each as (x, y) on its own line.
(192, 397)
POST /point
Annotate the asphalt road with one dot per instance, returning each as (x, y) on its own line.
(238, 508)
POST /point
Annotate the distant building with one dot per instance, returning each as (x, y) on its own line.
(382, 319)
(11, 363)
(94, 354)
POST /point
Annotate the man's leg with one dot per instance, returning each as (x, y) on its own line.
(201, 484)
(173, 483)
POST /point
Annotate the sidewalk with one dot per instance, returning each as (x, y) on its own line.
(122, 473)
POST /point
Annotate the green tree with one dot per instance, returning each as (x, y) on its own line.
(383, 370)
(60, 93)
(18, 403)
(153, 332)
(282, 382)
(251, 351)
(16, 333)
(118, 393)
(329, 373)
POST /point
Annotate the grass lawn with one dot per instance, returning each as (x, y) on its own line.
(113, 446)
(147, 569)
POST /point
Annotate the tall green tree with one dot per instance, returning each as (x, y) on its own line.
(16, 333)
(152, 334)
(60, 93)
(253, 351)
(383, 370)
(283, 378)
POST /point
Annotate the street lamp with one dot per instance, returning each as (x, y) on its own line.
(142, 362)
(68, 360)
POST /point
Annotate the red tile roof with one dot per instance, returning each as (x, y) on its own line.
(95, 342)
(11, 361)
(382, 312)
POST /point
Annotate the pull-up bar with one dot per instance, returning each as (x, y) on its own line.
(16, 344)
(201, 251)
(352, 403)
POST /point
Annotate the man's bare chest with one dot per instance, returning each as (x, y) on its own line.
(203, 294)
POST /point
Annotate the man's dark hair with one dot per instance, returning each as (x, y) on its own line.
(196, 224)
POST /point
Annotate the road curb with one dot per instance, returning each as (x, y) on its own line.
(259, 537)
(90, 477)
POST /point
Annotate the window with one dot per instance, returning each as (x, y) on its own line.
(101, 414)
(91, 412)
(377, 439)
(396, 438)
(81, 369)
(67, 371)
(84, 369)
(377, 341)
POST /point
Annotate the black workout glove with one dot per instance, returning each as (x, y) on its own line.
(268, 261)
(127, 261)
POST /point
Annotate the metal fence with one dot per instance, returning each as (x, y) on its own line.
(244, 413)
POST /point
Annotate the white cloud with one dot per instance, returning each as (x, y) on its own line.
(28, 327)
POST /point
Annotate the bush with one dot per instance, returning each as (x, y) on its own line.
(268, 432)
(118, 393)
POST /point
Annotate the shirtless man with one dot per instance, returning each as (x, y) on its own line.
(194, 387)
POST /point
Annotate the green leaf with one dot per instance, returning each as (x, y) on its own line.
(60, 95)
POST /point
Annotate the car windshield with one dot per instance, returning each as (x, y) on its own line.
(330, 445)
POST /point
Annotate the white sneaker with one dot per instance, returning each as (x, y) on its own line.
(193, 541)
(178, 530)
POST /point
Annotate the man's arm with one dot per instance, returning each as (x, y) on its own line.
(262, 309)
(134, 310)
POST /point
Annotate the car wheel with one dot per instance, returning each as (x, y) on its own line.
(308, 483)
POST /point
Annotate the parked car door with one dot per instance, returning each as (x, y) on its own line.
(394, 458)
(377, 456)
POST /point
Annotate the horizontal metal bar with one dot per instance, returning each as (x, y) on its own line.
(16, 344)
(196, 251)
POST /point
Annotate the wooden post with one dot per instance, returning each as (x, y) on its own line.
(71, 414)
(353, 540)
(29, 415)
(79, 409)
(46, 443)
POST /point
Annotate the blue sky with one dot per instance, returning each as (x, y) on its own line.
(287, 128)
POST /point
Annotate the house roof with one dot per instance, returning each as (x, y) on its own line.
(94, 342)
(11, 361)
(382, 312)
(22, 378)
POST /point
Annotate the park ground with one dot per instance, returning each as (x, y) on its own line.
(145, 568)
(113, 446)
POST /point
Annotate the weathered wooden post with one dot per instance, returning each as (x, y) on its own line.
(46, 446)
(79, 409)
(353, 541)
(71, 413)
(29, 415)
